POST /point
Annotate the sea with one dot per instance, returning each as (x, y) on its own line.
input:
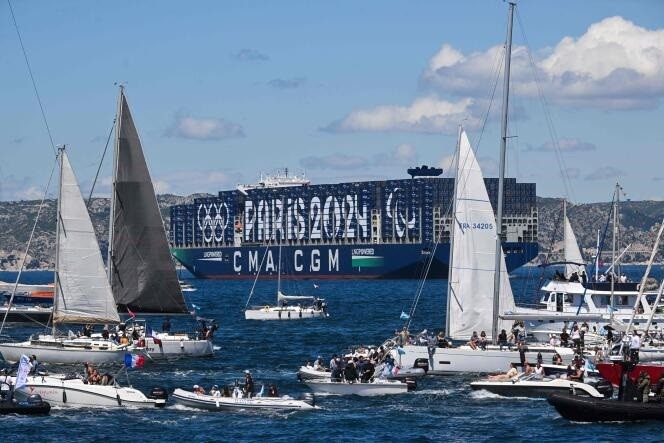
(361, 312)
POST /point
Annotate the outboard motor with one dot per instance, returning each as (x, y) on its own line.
(309, 398)
(421, 363)
(412, 384)
(160, 395)
(34, 400)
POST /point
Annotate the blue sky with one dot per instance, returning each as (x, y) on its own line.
(345, 90)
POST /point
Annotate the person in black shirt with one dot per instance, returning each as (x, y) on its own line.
(350, 373)
(502, 339)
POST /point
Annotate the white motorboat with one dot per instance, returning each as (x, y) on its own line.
(141, 270)
(82, 293)
(67, 390)
(376, 387)
(289, 307)
(26, 314)
(212, 403)
(531, 386)
(307, 372)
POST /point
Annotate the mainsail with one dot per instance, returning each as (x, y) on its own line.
(82, 291)
(142, 272)
(572, 252)
(473, 255)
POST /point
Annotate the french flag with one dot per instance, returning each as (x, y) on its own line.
(134, 361)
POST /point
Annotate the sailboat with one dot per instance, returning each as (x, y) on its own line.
(289, 307)
(141, 270)
(82, 293)
(478, 283)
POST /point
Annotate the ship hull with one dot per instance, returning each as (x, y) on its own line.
(368, 261)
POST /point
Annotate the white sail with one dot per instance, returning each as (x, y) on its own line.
(472, 270)
(572, 252)
(82, 292)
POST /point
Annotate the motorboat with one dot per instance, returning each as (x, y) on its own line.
(74, 390)
(376, 387)
(26, 314)
(238, 402)
(33, 405)
(590, 409)
(307, 372)
(532, 386)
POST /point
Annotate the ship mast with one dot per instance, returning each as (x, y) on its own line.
(453, 221)
(501, 177)
(56, 274)
(116, 149)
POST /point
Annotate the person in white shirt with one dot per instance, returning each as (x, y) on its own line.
(215, 391)
(634, 346)
(539, 371)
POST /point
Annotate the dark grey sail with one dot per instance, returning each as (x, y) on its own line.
(142, 273)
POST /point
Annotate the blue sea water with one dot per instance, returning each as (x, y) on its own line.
(442, 409)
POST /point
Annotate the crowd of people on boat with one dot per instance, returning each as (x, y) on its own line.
(94, 377)
(244, 390)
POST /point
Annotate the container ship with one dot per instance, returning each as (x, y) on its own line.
(371, 229)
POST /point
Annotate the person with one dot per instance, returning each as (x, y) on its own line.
(584, 276)
(643, 385)
(511, 373)
(602, 278)
(634, 347)
(527, 369)
(659, 389)
(609, 334)
(350, 373)
(272, 391)
(124, 340)
(574, 277)
(318, 364)
(623, 278)
(474, 340)
(198, 390)
(442, 343)
(248, 384)
(166, 325)
(404, 336)
(577, 374)
(576, 338)
(539, 371)
(335, 368)
(226, 392)
(502, 339)
(34, 364)
(482, 343)
(215, 391)
(556, 359)
(105, 333)
(522, 353)
(134, 334)
(367, 372)
(540, 359)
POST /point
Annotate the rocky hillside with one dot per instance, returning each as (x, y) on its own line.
(639, 221)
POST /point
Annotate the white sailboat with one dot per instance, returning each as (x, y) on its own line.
(289, 307)
(141, 271)
(478, 283)
(82, 293)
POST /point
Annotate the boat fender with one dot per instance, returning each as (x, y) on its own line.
(119, 400)
(64, 396)
(288, 314)
(181, 343)
(300, 313)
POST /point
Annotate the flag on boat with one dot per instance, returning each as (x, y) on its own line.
(22, 372)
(404, 316)
(134, 361)
(589, 366)
(131, 314)
(150, 333)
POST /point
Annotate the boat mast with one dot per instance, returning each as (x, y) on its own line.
(452, 228)
(111, 222)
(56, 273)
(565, 232)
(501, 177)
(613, 249)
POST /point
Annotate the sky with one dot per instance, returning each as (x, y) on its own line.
(221, 91)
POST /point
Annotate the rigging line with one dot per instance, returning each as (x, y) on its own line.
(101, 162)
(32, 234)
(32, 77)
(548, 116)
(427, 267)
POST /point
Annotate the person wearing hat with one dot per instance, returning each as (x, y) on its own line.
(215, 391)
(248, 384)
(198, 390)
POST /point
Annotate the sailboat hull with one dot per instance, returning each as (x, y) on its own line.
(57, 390)
(444, 361)
(58, 354)
(176, 346)
(284, 313)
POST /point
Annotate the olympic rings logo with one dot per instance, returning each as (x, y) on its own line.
(213, 221)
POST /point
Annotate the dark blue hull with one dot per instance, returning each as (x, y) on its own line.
(332, 261)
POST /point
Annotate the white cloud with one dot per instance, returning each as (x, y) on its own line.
(250, 55)
(604, 173)
(425, 114)
(615, 64)
(12, 188)
(204, 128)
(564, 145)
(402, 155)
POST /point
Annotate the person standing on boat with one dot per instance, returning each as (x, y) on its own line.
(350, 373)
(248, 384)
(522, 353)
(634, 347)
(643, 384)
